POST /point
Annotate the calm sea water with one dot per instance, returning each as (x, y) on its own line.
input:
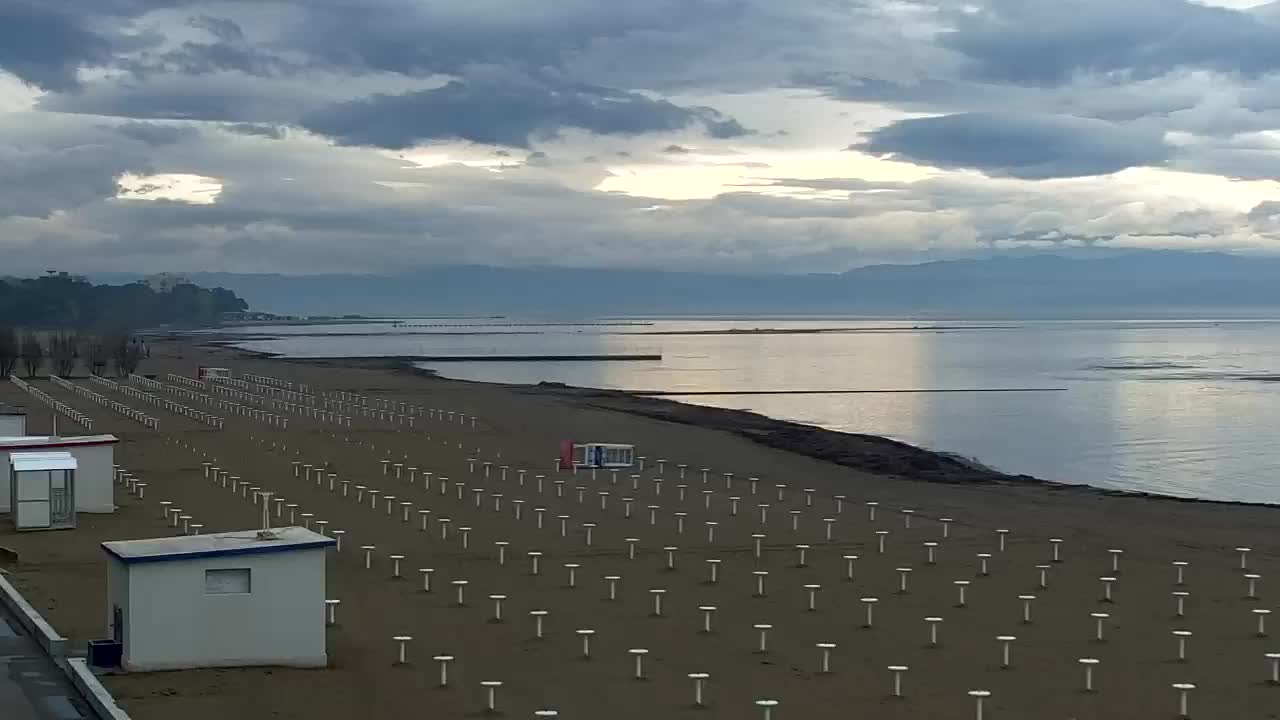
(1186, 408)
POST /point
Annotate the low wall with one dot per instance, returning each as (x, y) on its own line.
(76, 669)
(93, 692)
(52, 643)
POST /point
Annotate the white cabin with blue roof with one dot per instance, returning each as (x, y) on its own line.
(220, 600)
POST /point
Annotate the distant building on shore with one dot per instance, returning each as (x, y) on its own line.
(167, 282)
(249, 316)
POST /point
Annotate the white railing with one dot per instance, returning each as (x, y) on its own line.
(53, 403)
(173, 407)
(145, 382)
(393, 410)
(232, 408)
(273, 381)
(186, 381)
(110, 384)
(119, 407)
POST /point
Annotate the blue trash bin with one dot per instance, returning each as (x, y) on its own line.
(105, 653)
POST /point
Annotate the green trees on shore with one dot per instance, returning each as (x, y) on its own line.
(64, 302)
(56, 310)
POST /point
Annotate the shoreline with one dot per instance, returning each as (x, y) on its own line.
(926, 499)
(489, 330)
(873, 454)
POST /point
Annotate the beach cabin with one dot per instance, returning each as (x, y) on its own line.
(13, 421)
(95, 458)
(212, 373)
(597, 455)
(221, 600)
(41, 488)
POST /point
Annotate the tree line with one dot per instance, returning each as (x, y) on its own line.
(65, 302)
(64, 351)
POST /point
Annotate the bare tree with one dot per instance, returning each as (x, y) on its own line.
(80, 345)
(8, 351)
(32, 353)
(63, 352)
(126, 354)
(96, 355)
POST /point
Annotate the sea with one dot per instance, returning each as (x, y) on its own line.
(1180, 407)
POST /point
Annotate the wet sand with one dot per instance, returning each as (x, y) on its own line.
(63, 573)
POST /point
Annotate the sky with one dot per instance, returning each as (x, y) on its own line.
(378, 136)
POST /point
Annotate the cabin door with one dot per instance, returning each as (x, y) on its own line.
(61, 498)
(117, 624)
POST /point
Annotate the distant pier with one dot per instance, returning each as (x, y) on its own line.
(491, 358)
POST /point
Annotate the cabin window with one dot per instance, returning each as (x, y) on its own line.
(229, 581)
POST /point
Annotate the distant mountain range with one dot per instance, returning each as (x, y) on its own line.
(1143, 284)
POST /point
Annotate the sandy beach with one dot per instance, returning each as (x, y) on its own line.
(64, 573)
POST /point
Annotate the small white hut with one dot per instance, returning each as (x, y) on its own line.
(95, 471)
(221, 600)
(42, 486)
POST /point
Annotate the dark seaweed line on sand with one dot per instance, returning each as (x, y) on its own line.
(810, 441)
(395, 361)
(905, 391)
(872, 454)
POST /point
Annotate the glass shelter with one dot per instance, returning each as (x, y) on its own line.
(42, 490)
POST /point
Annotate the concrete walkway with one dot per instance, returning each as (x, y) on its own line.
(31, 686)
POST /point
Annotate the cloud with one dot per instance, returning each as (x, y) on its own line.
(271, 132)
(155, 133)
(230, 49)
(48, 165)
(224, 29)
(501, 108)
(46, 46)
(224, 97)
(449, 36)
(343, 135)
(1024, 146)
(1050, 42)
(229, 96)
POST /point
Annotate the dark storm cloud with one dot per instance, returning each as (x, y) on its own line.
(229, 50)
(1024, 146)
(447, 36)
(193, 58)
(155, 134)
(223, 97)
(224, 29)
(46, 41)
(271, 132)
(228, 75)
(504, 109)
(1049, 42)
(44, 45)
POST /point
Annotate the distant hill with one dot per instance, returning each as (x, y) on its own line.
(63, 301)
(1138, 284)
